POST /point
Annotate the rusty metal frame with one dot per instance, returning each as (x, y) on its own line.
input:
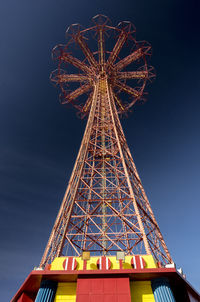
(105, 208)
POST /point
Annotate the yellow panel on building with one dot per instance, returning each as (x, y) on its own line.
(57, 264)
(92, 263)
(141, 291)
(127, 262)
(149, 261)
(114, 263)
(66, 292)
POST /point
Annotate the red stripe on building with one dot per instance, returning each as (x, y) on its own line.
(103, 263)
(138, 262)
(70, 264)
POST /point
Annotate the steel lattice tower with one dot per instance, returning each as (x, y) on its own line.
(105, 208)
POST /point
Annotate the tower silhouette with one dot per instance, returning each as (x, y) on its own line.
(105, 208)
(105, 244)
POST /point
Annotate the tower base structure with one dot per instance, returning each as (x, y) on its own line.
(106, 279)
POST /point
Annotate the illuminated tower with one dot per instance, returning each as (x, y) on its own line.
(105, 211)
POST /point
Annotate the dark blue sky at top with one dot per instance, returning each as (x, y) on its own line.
(39, 138)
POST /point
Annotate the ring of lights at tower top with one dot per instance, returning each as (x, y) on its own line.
(123, 62)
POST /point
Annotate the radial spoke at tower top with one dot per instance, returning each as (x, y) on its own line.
(101, 48)
(117, 48)
(140, 74)
(76, 62)
(83, 45)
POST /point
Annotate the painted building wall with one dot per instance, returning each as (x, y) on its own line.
(66, 292)
(57, 264)
(141, 291)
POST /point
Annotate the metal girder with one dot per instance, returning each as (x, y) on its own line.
(88, 103)
(105, 207)
(117, 48)
(137, 54)
(87, 52)
(140, 74)
(76, 93)
(76, 62)
(64, 78)
(100, 201)
(127, 89)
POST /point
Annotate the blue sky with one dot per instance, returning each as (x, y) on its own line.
(39, 138)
